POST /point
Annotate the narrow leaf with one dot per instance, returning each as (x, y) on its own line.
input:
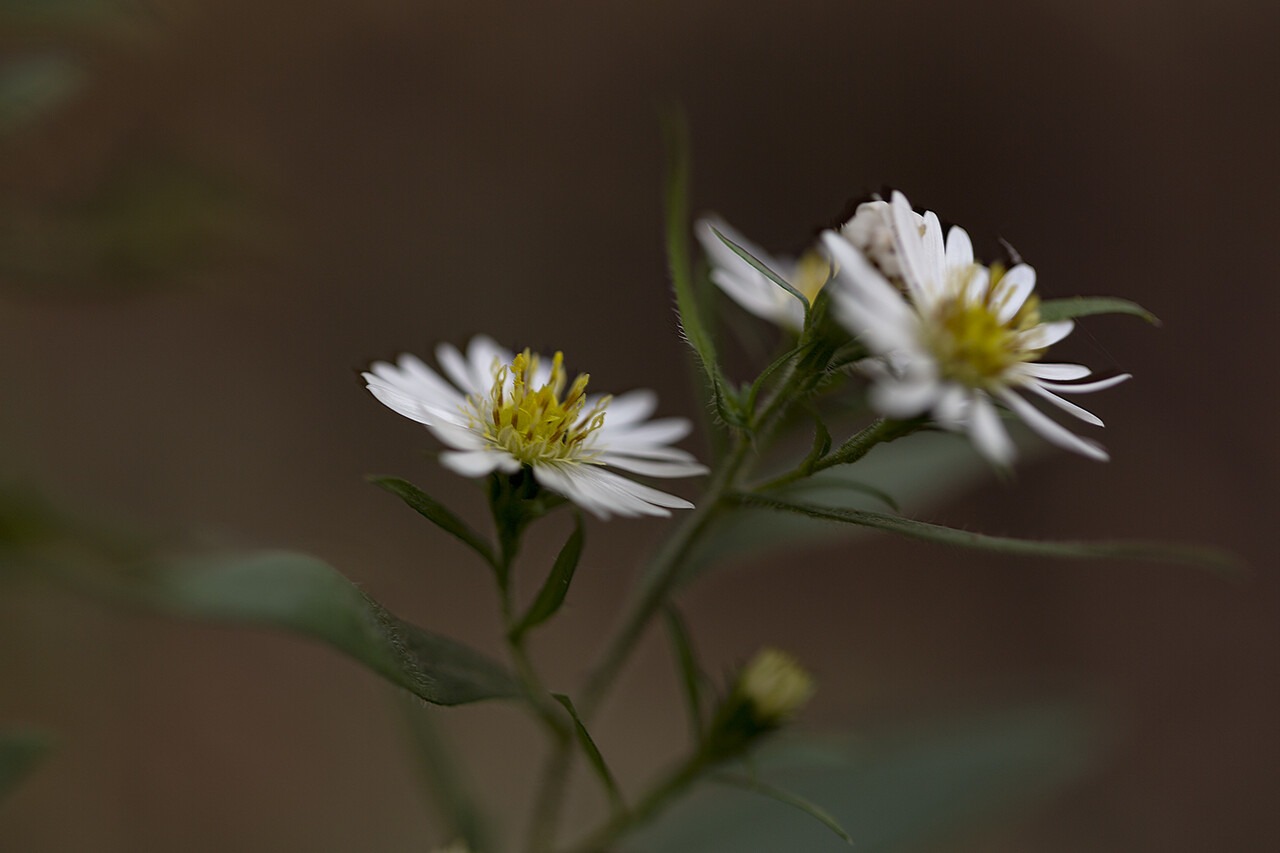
(764, 270)
(695, 328)
(593, 754)
(794, 800)
(20, 752)
(690, 672)
(450, 791)
(1085, 306)
(556, 587)
(435, 512)
(1133, 550)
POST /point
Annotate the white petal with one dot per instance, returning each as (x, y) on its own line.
(602, 493)
(988, 434)
(1045, 334)
(959, 248)
(1012, 291)
(413, 377)
(653, 467)
(910, 246)
(1053, 371)
(904, 399)
(935, 254)
(1086, 387)
(479, 463)
(482, 354)
(456, 436)
(951, 411)
(1081, 413)
(459, 370)
(1051, 429)
(628, 408)
(404, 404)
(647, 434)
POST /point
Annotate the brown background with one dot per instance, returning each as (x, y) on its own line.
(420, 171)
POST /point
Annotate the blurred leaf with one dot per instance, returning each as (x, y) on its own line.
(20, 752)
(290, 592)
(437, 513)
(33, 86)
(148, 224)
(896, 791)
(1132, 550)
(556, 587)
(690, 673)
(797, 802)
(593, 753)
(1085, 306)
(305, 596)
(440, 770)
(74, 14)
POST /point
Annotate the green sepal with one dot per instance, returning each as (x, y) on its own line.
(21, 750)
(593, 754)
(1085, 306)
(761, 268)
(1132, 550)
(556, 586)
(437, 513)
(794, 800)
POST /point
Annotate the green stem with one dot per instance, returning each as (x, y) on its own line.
(657, 799)
(857, 446)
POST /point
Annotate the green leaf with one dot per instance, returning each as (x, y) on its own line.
(593, 754)
(794, 800)
(1132, 550)
(920, 786)
(20, 752)
(1085, 306)
(436, 512)
(450, 791)
(556, 587)
(690, 673)
(764, 270)
(696, 329)
(305, 596)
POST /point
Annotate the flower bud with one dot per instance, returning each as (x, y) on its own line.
(767, 692)
(775, 685)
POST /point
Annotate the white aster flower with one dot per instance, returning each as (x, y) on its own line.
(964, 336)
(752, 289)
(504, 412)
(870, 230)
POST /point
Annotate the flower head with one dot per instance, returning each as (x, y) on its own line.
(963, 336)
(504, 412)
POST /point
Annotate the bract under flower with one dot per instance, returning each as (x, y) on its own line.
(502, 412)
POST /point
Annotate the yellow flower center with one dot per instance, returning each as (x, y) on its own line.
(812, 272)
(970, 343)
(538, 424)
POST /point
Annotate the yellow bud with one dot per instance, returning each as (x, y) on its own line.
(776, 685)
